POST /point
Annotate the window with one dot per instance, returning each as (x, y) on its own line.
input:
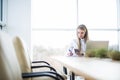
(100, 17)
(54, 14)
(98, 14)
(54, 21)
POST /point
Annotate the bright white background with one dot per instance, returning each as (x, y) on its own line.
(54, 21)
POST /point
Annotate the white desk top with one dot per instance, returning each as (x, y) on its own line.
(91, 68)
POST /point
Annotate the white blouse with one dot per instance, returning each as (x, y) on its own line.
(74, 45)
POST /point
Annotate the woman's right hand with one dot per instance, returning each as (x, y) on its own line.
(70, 54)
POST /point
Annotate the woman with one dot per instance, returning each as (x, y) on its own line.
(78, 46)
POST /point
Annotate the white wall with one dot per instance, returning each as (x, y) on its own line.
(19, 19)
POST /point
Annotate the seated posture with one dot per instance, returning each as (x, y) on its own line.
(78, 46)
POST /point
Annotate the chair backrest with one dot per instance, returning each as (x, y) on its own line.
(24, 58)
(22, 54)
(9, 66)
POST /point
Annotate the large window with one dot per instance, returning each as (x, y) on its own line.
(54, 21)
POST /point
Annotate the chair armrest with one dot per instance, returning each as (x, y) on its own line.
(41, 62)
(44, 66)
(41, 74)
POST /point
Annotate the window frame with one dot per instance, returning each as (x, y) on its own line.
(1, 10)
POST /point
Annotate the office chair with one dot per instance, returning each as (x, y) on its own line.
(10, 67)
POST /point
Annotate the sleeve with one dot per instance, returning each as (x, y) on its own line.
(72, 46)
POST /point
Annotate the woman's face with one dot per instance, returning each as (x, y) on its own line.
(80, 33)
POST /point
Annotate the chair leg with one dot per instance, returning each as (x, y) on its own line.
(65, 70)
(72, 76)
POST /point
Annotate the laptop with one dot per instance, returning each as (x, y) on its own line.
(93, 45)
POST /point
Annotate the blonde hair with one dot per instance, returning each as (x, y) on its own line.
(84, 28)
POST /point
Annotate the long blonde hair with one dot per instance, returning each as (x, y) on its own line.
(84, 28)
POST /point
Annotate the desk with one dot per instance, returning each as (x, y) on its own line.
(91, 68)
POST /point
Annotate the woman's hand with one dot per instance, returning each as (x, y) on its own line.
(80, 54)
(70, 54)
